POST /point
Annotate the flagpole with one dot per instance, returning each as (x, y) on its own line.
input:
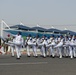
(1, 30)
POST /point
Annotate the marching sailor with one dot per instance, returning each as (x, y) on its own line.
(28, 43)
(43, 47)
(2, 49)
(34, 47)
(72, 47)
(66, 46)
(59, 46)
(18, 44)
(12, 46)
(52, 49)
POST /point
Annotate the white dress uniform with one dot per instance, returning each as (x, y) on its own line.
(52, 49)
(12, 47)
(71, 48)
(66, 46)
(2, 50)
(46, 48)
(29, 43)
(34, 47)
(59, 47)
(43, 47)
(18, 44)
(75, 48)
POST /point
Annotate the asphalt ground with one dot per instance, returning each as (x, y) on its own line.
(36, 66)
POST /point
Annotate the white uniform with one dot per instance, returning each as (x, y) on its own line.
(34, 47)
(66, 47)
(40, 45)
(29, 43)
(59, 47)
(71, 48)
(75, 48)
(18, 44)
(12, 47)
(2, 50)
(52, 51)
(43, 48)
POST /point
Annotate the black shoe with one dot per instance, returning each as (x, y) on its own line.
(28, 56)
(17, 58)
(74, 57)
(47, 55)
(44, 56)
(65, 56)
(36, 56)
(41, 55)
(53, 56)
(50, 55)
(12, 56)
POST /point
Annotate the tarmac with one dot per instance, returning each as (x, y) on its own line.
(36, 66)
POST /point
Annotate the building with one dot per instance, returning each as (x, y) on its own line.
(59, 27)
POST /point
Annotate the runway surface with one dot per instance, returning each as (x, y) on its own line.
(36, 66)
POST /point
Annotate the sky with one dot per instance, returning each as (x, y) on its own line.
(43, 12)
